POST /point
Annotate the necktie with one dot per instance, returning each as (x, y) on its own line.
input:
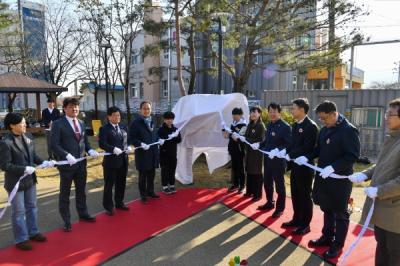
(76, 129)
(117, 130)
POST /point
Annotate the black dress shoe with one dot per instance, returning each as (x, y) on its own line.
(38, 238)
(334, 251)
(247, 195)
(255, 199)
(88, 219)
(290, 224)
(123, 208)
(232, 188)
(67, 227)
(267, 206)
(320, 242)
(154, 196)
(301, 230)
(277, 214)
(110, 212)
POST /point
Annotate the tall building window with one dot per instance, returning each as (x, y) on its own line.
(164, 89)
(166, 53)
(141, 55)
(294, 82)
(134, 90)
(135, 57)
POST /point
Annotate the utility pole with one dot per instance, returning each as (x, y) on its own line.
(331, 67)
(220, 44)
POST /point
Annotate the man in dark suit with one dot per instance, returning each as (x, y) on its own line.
(18, 158)
(50, 114)
(304, 138)
(142, 133)
(69, 142)
(277, 139)
(338, 148)
(113, 139)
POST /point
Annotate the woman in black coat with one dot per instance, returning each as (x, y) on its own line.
(18, 158)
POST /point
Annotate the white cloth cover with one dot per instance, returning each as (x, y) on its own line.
(202, 117)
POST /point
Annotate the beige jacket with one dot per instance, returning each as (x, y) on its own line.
(386, 176)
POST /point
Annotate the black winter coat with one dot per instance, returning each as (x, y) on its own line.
(168, 151)
(139, 132)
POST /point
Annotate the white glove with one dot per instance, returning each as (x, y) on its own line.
(29, 170)
(281, 154)
(93, 153)
(117, 151)
(129, 149)
(273, 153)
(358, 177)
(145, 146)
(71, 159)
(327, 171)
(48, 164)
(227, 129)
(301, 160)
(161, 141)
(242, 138)
(255, 146)
(371, 192)
(287, 158)
(235, 135)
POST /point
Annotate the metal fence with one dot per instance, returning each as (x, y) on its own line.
(364, 108)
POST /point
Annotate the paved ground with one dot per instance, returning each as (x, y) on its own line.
(212, 237)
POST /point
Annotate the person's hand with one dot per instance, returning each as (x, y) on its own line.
(327, 171)
(255, 146)
(273, 153)
(161, 142)
(71, 159)
(117, 151)
(144, 146)
(173, 135)
(29, 170)
(281, 154)
(93, 153)
(301, 160)
(242, 138)
(371, 192)
(358, 177)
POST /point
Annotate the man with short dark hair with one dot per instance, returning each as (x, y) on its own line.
(113, 139)
(277, 142)
(338, 148)
(50, 114)
(236, 150)
(69, 142)
(142, 133)
(385, 189)
(304, 138)
(168, 152)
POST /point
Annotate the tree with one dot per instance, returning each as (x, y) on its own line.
(280, 32)
(115, 22)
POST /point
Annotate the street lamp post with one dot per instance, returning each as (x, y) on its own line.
(106, 46)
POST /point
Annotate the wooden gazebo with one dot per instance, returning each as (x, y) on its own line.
(14, 83)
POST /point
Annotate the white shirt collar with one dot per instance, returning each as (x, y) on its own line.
(50, 109)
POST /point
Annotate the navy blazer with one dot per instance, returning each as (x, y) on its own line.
(139, 132)
(47, 117)
(109, 138)
(63, 141)
(14, 159)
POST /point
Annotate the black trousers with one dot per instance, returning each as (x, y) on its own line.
(237, 174)
(114, 177)
(301, 186)
(387, 248)
(49, 151)
(76, 174)
(168, 168)
(275, 175)
(254, 185)
(336, 225)
(146, 182)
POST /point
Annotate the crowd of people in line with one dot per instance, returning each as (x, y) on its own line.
(334, 148)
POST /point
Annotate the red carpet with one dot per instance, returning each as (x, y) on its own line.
(363, 254)
(90, 244)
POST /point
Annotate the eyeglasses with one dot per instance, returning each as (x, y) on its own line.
(389, 114)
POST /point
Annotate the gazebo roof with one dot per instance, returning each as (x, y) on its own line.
(16, 82)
